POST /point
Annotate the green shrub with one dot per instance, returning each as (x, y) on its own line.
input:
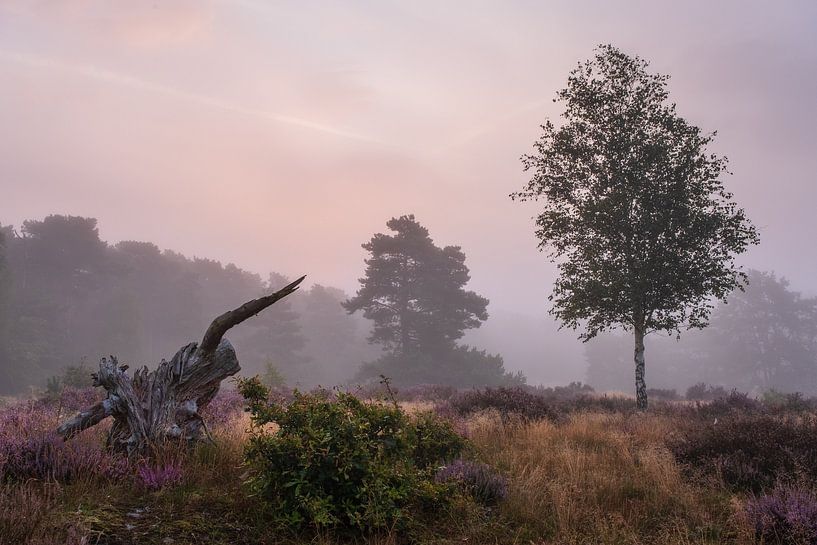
(433, 440)
(337, 462)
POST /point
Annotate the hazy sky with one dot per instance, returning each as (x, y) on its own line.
(280, 136)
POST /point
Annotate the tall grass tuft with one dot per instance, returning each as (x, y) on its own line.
(599, 478)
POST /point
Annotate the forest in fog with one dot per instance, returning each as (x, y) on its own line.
(69, 298)
(763, 338)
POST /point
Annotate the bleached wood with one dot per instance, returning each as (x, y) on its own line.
(154, 406)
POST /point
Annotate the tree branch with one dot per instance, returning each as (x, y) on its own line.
(86, 419)
(223, 323)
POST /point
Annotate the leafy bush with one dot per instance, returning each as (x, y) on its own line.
(751, 452)
(508, 401)
(336, 461)
(784, 516)
(433, 440)
(704, 392)
(480, 480)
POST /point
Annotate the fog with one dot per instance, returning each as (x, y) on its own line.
(280, 139)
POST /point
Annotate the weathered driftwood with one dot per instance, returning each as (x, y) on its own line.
(164, 404)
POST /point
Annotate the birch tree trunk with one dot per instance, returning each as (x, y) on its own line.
(638, 356)
(155, 406)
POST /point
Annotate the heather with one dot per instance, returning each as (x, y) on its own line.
(785, 515)
(507, 401)
(563, 465)
(478, 479)
(751, 451)
(30, 448)
(537, 403)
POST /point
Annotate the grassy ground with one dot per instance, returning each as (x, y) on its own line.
(594, 478)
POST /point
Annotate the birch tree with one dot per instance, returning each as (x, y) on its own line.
(635, 213)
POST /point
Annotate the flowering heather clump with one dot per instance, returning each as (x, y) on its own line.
(156, 477)
(785, 515)
(77, 399)
(508, 401)
(30, 449)
(734, 403)
(224, 408)
(48, 457)
(750, 452)
(487, 486)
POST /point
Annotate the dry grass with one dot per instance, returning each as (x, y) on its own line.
(602, 479)
(594, 479)
(414, 407)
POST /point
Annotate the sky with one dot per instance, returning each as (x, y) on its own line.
(281, 135)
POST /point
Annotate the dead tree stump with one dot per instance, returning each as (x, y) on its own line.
(163, 404)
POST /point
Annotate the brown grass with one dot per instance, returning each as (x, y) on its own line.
(594, 479)
(602, 479)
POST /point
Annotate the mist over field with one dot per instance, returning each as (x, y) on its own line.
(408, 272)
(191, 127)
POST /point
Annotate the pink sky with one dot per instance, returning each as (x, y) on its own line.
(280, 137)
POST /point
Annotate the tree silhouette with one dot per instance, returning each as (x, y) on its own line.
(414, 291)
(766, 337)
(635, 212)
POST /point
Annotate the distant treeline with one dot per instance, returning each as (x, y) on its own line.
(67, 296)
(764, 338)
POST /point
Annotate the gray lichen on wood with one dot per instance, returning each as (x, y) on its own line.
(154, 406)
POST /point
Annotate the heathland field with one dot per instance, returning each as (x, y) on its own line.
(519, 465)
